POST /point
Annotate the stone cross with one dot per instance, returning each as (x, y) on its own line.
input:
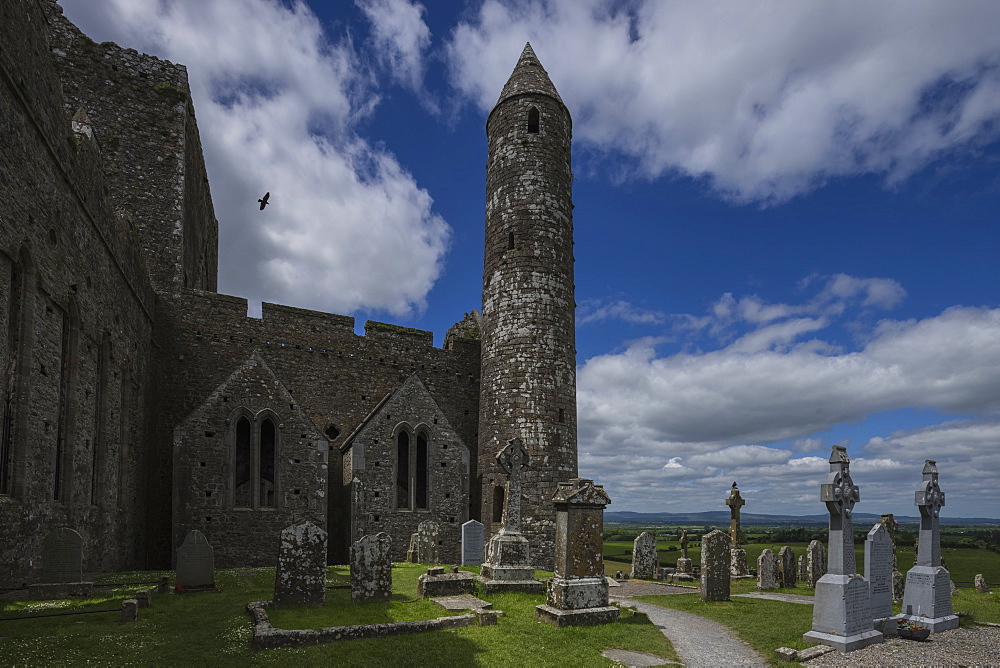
(735, 502)
(513, 458)
(684, 544)
(929, 500)
(840, 494)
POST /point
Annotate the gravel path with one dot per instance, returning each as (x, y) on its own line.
(973, 646)
(697, 640)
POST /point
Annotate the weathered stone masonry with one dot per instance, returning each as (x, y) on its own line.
(528, 335)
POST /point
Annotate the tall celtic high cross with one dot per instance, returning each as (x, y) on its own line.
(513, 458)
(840, 494)
(929, 499)
(735, 502)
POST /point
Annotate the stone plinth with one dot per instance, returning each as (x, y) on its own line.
(684, 566)
(644, 560)
(842, 617)
(300, 578)
(577, 593)
(715, 566)
(508, 567)
(371, 568)
(446, 584)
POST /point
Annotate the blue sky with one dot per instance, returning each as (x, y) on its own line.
(786, 214)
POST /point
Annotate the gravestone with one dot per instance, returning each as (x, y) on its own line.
(577, 592)
(878, 573)
(644, 559)
(715, 566)
(738, 556)
(803, 572)
(423, 547)
(842, 616)
(144, 597)
(195, 563)
(508, 564)
(130, 611)
(300, 578)
(371, 568)
(473, 543)
(62, 556)
(927, 599)
(815, 563)
(62, 567)
(767, 570)
(980, 583)
(898, 581)
(786, 566)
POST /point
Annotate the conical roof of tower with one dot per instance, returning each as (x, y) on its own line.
(529, 77)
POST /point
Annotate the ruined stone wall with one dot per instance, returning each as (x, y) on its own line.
(370, 473)
(528, 336)
(76, 364)
(143, 119)
(336, 376)
(247, 532)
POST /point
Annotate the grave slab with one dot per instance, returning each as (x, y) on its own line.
(462, 602)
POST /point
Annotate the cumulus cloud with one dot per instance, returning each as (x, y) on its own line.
(400, 38)
(765, 100)
(749, 409)
(278, 103)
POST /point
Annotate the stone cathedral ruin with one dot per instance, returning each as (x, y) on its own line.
(139, 404)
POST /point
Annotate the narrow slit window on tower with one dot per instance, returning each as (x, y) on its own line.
(498, 495)
(510, 240)
(533, 120)
(403, 470)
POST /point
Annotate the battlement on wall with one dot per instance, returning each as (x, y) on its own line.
(283, 326)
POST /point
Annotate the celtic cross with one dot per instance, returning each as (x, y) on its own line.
(513, 458)
(929, 499)
(840, 494)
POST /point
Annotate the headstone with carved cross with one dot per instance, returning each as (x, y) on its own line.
(842, 616)
(508, 565)
(927, 599)
(737, 555)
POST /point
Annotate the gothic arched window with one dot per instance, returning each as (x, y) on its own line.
(412, 469)
(255, 461)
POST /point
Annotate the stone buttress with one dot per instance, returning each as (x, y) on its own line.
(528, 338)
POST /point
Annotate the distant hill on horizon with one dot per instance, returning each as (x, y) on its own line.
(719, 517)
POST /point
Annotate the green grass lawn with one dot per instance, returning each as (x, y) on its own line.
(214, 628)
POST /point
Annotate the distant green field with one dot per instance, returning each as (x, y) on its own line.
(963, 564)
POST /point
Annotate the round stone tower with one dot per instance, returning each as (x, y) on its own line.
(528, 327)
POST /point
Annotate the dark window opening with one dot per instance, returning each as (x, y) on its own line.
(268, 450)
(403, 470)
(498, 499)
(241, 498)
(533, 120)
(510, 240)
(422, 471)
(13, 343)
(562, 414)
(331, 431)
(97, 471)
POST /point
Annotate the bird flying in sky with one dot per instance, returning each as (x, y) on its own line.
(263, 200)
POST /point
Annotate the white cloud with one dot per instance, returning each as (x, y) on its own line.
(277, 104)
(767, 100)
(400, 37)
(595, 310)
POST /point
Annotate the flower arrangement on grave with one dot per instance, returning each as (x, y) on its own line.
(911, 631)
